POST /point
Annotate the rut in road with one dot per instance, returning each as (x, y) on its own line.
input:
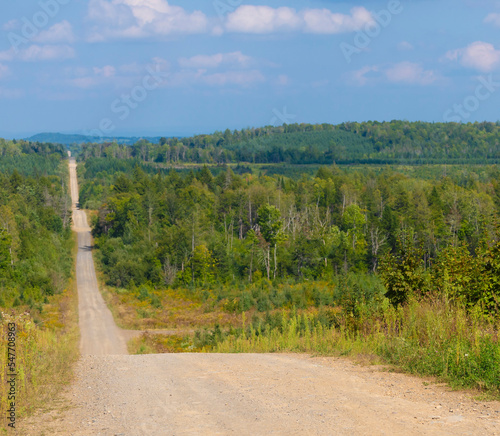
(99, 333)
(240, 394)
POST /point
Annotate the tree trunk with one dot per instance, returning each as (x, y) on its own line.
(275, 262)
(268, 263)
(251, 266)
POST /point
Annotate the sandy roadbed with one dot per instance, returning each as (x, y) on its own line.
(264, 394)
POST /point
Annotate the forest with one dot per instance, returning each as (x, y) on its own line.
(199, 230)
(36, 270)
(377, 239)
(31, 158)
(389, 248)
(35, 222)
(231, 225)
(395, 142)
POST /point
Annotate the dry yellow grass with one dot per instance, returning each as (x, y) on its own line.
(176, 311)
(149, 343)
(46, 351)
(44, 354)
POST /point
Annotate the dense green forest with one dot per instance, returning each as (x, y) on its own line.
(397, 262)
(396, 142)
(35, 223)
(36, 270)
(31, 158)
(197, 229)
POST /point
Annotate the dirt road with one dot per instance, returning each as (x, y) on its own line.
(214, 394)
(99, 334)
(244, 394)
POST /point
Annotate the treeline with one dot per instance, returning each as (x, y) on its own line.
(9, 148)
(30, 158)
(35, 238)
(36, 261)
(200, 229)
(324, 144)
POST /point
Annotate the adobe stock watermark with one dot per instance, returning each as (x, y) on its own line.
(461, 112)
(223, 7)
(40, 19)
(122, 107)
(363, 38)
(283, 116)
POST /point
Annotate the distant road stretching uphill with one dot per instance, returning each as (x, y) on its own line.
(99, 333)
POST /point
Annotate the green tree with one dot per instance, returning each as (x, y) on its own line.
(354, 223)
(403, 274)
(252, 241)
(5, 248)
(271, 228)
(488, 289)
(202, 264)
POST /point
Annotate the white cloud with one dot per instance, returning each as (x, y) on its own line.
(97, 78)
(359, 76)
(325, 21)
(241, 78)
(191, 73)
(10, 25)
(405, 46)
(264, 19)
(142, 18)
(133, 68)
(118, 77)
(150, 18)
(221, 79)
(4, 71)
(84, 82)
(7, 55)
(59, 33)
(214, 61)
(234, 69)
(283, 80)
(217, 31)
(410, 73)
(106, 71)
(493, 18)
(9, 93)
(479, 55)
(47, 53)
(405, 72)
(35, 53)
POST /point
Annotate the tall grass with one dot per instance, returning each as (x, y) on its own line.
(45, 352)
(432, 338)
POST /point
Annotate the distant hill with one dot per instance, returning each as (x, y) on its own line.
(68, 139)
(379, 143)
(302, 147)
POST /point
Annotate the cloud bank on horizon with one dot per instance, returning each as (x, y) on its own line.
(229, 63)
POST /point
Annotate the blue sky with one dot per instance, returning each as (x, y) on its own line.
(157, 67)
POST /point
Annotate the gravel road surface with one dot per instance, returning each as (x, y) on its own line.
(99, 333)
